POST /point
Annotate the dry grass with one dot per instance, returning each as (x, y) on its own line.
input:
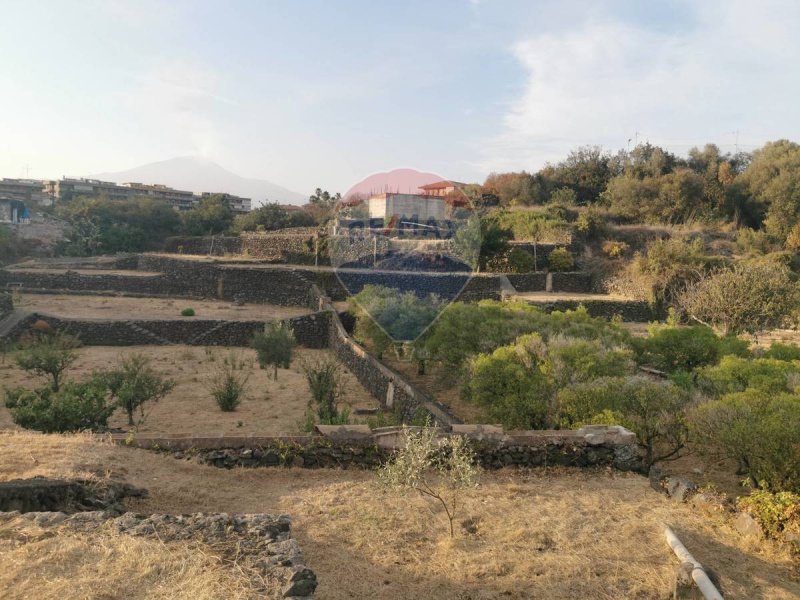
(56, 564)
(269, 408)
(541, 534)
(122, 307)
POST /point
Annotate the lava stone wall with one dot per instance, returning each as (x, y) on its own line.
(204, 245)
(572, 283)
(311, 331)
(528, 282)
(6, 305)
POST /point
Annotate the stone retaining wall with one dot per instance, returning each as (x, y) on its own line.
(216, 245)
(572, 283)
(311, 331)
(6, 305)
(356, 446)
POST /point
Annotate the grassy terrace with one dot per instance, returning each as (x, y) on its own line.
(541, 534)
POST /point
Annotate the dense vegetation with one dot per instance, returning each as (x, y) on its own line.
(527, 369)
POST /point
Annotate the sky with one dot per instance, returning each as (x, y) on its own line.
(313, 94)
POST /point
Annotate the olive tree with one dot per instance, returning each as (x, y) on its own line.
(437, 468)
(135, 384)
(274, 346)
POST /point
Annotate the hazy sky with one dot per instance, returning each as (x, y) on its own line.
(309, 94)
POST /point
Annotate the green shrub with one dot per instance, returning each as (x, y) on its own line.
(464, 330)
(734, 374)
(730, 345)
(187, 312)
(653, 410)
(561, 259)
(778, 513)
(324, 383)
(570, 360)
(758, 428)
(678, 348)
(74, 407)
(228, 385)
(780, 351)
(48, 354)
(512, 393)
(274, 346)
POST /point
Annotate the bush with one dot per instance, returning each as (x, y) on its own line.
(730, 345)
(758, 428)
(653, 410)
(777, 513)
(465, 330)
(437, 468)
(614, 249)
(187, 312)
(48, 354)
(515, 384)
(274, 346)
(780, 351)
(560, 259)
(678, 348)
(734, 374)
(749, 298)
(135, 384)
(511, 392)
(228, 385)
(73, 407)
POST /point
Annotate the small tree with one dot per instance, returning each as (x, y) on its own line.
(49, 355)
(438, 468)
(228, 384)
(135, 384)
(561, 259)
(324, 384)
(274, 346)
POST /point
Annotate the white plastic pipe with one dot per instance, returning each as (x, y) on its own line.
(700, 577)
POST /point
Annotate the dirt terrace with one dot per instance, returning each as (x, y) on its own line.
(270, 407)
(121, 307)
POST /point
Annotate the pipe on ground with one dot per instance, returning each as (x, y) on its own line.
(700, 577)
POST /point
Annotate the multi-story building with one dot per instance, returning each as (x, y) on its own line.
(25, 190)
(13, 211)
(178, 199)
(237, 203)
(67, 188)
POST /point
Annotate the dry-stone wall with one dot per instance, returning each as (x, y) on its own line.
(628, 310)
(359, 447)
(6, 305)
(259, 545)
(311, 330)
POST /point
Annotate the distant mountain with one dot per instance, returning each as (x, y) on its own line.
(199, 175)
(406, 181)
